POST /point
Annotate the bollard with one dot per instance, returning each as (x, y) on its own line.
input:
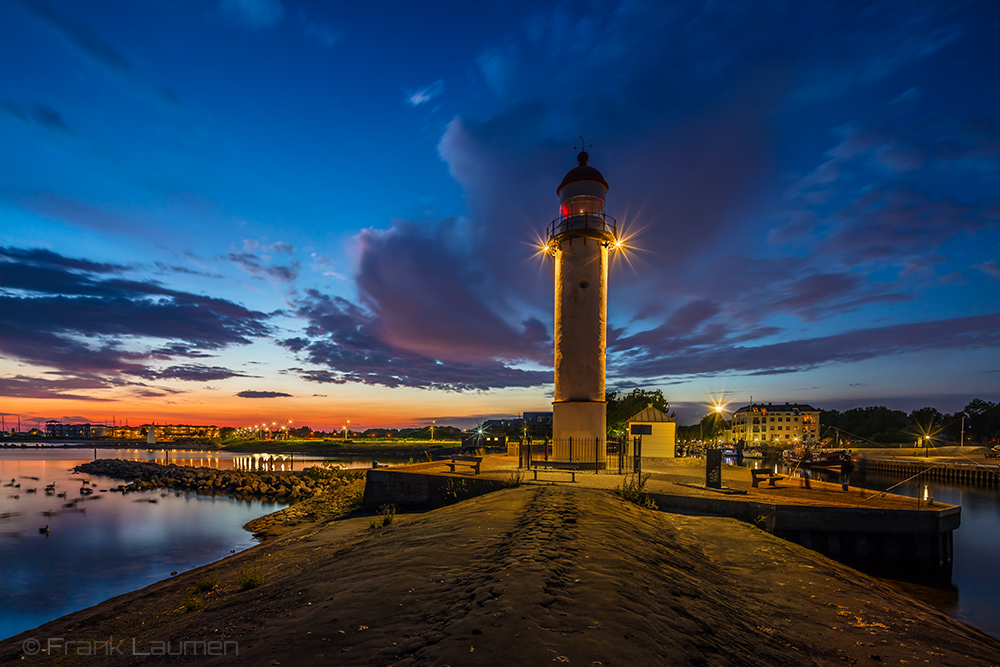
(713, 469)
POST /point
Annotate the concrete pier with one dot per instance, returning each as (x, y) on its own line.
(856, 526)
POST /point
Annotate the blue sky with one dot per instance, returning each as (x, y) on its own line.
(239, 210)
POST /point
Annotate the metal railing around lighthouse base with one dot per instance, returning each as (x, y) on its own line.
(584, 453)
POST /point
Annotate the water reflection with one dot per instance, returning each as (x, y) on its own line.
(972, 593)
(100, 544)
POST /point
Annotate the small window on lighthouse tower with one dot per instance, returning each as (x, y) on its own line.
(582, 205)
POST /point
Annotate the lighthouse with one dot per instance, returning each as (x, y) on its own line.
(580, 240)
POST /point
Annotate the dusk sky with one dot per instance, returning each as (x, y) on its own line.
(228, 211)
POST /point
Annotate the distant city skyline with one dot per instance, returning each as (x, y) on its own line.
(236, 211)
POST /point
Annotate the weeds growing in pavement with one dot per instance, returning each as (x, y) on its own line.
(633, 489)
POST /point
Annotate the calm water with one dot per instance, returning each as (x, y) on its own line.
(973, 594)
(107, 544)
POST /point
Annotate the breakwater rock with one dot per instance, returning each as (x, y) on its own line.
(269, 486)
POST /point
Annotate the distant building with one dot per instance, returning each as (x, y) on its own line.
(54, 429)
(126, 433)
(658, 431)
(538, 424)
(168, 432)
(774, 423)
(164, 432)
(533, 424)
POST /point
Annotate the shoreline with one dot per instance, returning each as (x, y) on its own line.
(417, 450)
(522, 576)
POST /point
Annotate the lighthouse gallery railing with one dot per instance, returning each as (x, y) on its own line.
(599, 222)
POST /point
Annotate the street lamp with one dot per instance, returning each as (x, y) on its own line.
(433, 422)
(346, 424)
(718, 416)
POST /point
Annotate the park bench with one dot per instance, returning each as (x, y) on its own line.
(759, 473)
(458, 460)
(568, 467)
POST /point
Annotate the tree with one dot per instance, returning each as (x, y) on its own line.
(984, 420)
(623, 406)
(927, 421)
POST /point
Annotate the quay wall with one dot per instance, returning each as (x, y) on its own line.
(957, 473)
(869, 536)
(385, 486)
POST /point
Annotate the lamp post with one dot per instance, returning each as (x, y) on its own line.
(718, 415)
(433, 422)
(346, 424)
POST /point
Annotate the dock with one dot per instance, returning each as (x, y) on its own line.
(853, 525)
(973, 471)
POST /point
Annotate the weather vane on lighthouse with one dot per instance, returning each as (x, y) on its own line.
(580, 240)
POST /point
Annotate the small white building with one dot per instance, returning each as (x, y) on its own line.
(658, 431)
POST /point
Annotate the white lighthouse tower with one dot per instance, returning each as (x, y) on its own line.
(580, 240)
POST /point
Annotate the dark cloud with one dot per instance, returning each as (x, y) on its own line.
(263, 394)
(717, 350)
(21, 386)
(186, 271)
(81, 316)
(896, 188)
(694, 117)
(430, 299)
(256, 266)
(192, 373)
(350, 345)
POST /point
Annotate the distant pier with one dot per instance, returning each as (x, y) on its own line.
(971, 473)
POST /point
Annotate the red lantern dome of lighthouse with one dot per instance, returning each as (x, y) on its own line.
(582, 172)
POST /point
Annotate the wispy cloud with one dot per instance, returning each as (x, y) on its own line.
(424, 95)
(990, 268)
(318, 31)
(36, 114)
(96, 49)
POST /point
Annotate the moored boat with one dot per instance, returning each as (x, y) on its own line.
(829, 458)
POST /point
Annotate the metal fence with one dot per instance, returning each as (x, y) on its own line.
(625, 454)
(615, 455)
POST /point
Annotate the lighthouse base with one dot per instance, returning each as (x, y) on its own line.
(579, 432)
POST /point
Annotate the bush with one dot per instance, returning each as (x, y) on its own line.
(250, 577)
(208, 583)
(193, 603)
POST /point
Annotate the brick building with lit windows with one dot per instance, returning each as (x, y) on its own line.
(770, 423)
